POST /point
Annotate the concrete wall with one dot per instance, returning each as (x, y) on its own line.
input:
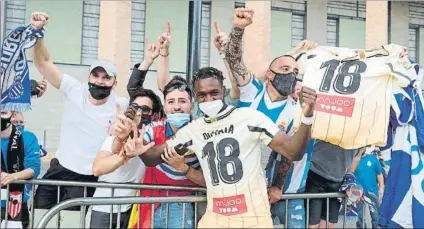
(62, 38)
(376, 24)
(399, 23)
(316, 21)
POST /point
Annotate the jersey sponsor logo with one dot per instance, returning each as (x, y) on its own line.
(228, 206)
(226, 130)
(334, 104)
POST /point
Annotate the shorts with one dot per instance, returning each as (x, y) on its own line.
(318, 207)
(46, 195)
(212, 220)
(24, 215)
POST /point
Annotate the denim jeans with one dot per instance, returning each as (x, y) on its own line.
(296, 213)
(373, 212)
(175, 216)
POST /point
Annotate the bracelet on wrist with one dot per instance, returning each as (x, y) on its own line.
(164, 55)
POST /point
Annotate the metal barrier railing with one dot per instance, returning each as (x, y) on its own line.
(86, 185)
(118, 201)
(115, 201)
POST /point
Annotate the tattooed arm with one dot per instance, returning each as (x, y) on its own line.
(234, 56)
(275, 192)
(283, 171)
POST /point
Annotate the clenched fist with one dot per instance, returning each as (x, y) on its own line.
(307, 99)
(242, 17)
(39, 19)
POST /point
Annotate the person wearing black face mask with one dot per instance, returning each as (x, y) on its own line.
(89, 110)
(22, 163)
(144, 106)
(275, 98)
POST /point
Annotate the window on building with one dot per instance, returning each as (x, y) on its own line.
(344, 17)
(205, 35)
(332, 32)
(138, 23)
(413, 51)
(90, 31)
(298, 29)
(416, 32)
(15, 15)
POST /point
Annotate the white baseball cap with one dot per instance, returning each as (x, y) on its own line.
(108, 66)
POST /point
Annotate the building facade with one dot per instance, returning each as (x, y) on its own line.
(81, 31)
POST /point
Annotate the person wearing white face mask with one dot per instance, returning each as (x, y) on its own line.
(177, 170)
(227, 143)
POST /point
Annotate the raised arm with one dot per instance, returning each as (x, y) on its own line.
(294, 147)
(221, 42)
(41, 56)
(139, 72)
(234, 52)
(164, 42)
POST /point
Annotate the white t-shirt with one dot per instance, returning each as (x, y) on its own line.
(132, 172)
(84, 125)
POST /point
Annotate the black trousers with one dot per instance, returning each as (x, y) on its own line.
(46, 196)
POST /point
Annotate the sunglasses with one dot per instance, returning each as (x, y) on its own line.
(144, 109)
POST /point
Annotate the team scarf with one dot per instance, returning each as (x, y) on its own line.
(13, 164)
(15, 82)
(403, 200)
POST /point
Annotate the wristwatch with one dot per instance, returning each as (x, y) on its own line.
(307, 120)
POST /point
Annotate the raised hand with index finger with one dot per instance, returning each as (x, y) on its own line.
(221, 38)
(164, 40)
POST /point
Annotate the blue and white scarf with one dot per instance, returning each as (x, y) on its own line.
(403, 200)
(15, 82)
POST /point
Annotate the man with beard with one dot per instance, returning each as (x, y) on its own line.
(275, 100)
(89, 110)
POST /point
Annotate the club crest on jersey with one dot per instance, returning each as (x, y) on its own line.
(282, 126)
(334, 104)
(225, 130)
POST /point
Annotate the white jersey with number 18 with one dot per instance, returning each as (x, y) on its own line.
(229, 152)
(354, 90)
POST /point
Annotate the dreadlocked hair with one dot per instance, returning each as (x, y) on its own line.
(208, 72)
